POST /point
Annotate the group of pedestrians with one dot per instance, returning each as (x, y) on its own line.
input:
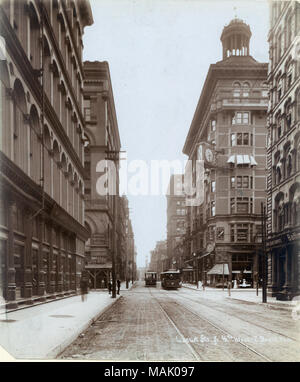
(118, 286)
(85, 284)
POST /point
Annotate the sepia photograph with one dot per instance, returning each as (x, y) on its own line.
(150, 183)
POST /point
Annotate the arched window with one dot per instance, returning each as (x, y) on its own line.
(64, 177)
(80, 202)
(20, 24)
(246, 89)
(47, 62)
(5, 94)
(236, 89)
(295, 203)
(64, 112)
(278, 174)
(56, 95)
(70, 189)
(34, 38)
(56, 172)
(47, 160)
(76, 197)
(279, 212)
(21, 154)
(35, 153)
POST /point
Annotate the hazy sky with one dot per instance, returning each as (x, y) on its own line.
(159, 52)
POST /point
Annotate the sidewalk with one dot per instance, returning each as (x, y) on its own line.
(245, 295)
(43, 331)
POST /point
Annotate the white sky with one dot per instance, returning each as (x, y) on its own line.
(159, 52)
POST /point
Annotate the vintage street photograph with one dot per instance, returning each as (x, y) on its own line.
(150, 182)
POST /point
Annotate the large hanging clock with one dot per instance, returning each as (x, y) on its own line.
(209, 156)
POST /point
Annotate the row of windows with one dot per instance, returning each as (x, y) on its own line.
(241, 205)
(240, 181)
(241, 232)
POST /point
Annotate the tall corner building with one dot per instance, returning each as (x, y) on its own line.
(228, 133)
(102, 142)
(42, 233)
(176, 220)
(283, 199)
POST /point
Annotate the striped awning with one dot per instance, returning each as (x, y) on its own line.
(242, 159)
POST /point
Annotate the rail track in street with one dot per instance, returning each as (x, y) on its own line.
(193, 348)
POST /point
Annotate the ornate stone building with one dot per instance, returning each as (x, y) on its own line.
(102, 142)
(42, 232)
(283, 202)
(228, 133)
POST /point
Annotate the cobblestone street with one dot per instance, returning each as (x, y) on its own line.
(155, 324)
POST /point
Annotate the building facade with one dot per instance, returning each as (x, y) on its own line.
(176, 220)
(283, 201)
(159, 259)
(102, 142)
(228, 134)
(42, 176)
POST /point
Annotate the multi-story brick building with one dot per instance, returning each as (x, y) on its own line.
(102, 142)
(159, 260)
(283, 205)
(176, 216)
(42, 208)
(228, 132)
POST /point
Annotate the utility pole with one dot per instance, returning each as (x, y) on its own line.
(264, 260)
(114, 157)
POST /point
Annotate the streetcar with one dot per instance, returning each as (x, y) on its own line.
(150, 278)
(170, 279)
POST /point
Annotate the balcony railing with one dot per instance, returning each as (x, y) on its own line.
(240, 101)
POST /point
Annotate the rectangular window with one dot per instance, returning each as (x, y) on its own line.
(245, 118)
(213, 208)
(242, 205)
(239, 139)
(251, 139)
(242, 231)
(232, 205)
(232, 235)
(246, 139)
(245, 181)
(220, 233)
(213, 186)
(232, 181)
(213, 125)
(239, 183)
(251, 182)
(233, 139)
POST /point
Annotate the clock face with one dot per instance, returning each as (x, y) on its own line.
(209, 155)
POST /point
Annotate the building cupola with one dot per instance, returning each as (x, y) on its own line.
(235, 39)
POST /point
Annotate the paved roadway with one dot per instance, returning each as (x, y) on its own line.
(155, 324)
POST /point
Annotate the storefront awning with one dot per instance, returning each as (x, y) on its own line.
(242, 159)
(219, 269)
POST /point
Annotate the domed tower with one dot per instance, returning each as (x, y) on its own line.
(235, 39)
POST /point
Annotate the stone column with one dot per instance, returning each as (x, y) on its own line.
(28, 256)
(40, 264)
(11, 272)
(51, 275)
(59, 264)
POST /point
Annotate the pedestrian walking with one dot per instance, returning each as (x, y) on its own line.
(84, 287)
(109, 287)
(119, 286)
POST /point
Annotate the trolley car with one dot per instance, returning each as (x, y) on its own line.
(150, 278)
(170, 279)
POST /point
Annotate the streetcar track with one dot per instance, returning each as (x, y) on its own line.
(194, 352)
(220, 329)
(244, 320)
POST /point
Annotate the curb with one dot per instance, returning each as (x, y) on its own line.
(274, 306)
(269, 305)
(54, 353)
